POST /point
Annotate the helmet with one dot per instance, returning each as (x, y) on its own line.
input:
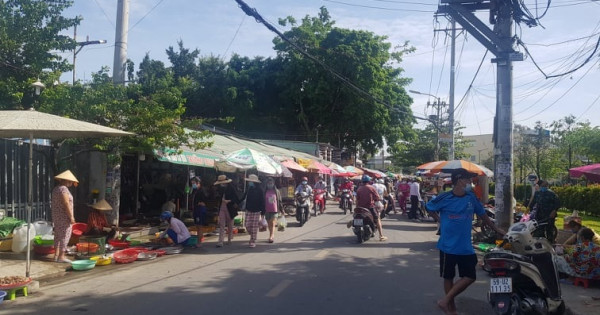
(166, 215)
(380, 181)
(366, 178)
(305, 178)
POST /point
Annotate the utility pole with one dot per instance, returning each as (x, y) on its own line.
(121, 31)
(451, 100)
(437, 120)
(81, 45)
(499, 42)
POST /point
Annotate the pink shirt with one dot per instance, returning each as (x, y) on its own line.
(270, 201)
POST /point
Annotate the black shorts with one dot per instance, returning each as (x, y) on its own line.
(466, 266)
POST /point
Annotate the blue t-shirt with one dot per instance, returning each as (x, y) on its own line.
(456, 216)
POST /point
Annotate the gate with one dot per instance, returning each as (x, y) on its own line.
(14, 168)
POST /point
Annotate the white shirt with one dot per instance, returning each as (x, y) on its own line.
(415, 189)
(179, 227)
(381, 189)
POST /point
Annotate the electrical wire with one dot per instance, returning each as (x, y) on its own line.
(588, 108)
(145, 15)
(105, 15)
(378, 8)
(234, 36)
(259, 19)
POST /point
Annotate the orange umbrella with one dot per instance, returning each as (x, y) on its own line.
(429, 165)
(450, 166)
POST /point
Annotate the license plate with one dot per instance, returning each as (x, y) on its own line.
(358, 222)
(501, 285)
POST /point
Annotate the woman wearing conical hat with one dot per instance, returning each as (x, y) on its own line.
(62, 213)
(97, 218)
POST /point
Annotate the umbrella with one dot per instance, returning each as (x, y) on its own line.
(246, 159)
(35, 125)
(317, 167)
(339, 171)
(373, 173)
(294, 166)
(449, 166)
(354, 170)
(591, 172)
(429, 165)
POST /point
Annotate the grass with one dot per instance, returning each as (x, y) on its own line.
(590, 221)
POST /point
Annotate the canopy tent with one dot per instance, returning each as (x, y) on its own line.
(245, 159)
(591, 172)
(31, 124)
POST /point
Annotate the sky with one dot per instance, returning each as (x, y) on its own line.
(570, 31)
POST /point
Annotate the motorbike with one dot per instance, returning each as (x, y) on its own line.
(289, 205)
(363, 224)
(346, 200)
(319, 201)
(302, 207)
(524, 280)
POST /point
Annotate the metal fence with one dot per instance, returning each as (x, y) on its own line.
(14, 168)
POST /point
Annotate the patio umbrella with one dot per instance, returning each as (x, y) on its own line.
(31, 124)
(246, 159)
(450, 166)
(591, 172)
(354, 170)
(373, 173)
(318, 167)
(294, 166)
(429, 165)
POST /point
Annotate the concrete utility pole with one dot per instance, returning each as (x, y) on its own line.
(437, 120)
(81, 45)
(122, 29)
(451, 100)
(500, 43)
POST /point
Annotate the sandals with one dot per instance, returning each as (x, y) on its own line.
(382, 238)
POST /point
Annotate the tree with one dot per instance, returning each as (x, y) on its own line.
(30, 33)
(315, 98)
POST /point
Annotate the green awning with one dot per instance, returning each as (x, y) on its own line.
(186, 158)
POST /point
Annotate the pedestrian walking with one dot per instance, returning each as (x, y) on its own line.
(229, 202)
(272, 207)
(403, 192)
(545, 203)
(255, 207)
(63, 216)
(454, 209)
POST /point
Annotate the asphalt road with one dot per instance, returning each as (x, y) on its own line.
(315, 269)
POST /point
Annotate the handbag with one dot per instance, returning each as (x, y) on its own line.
(233, 209)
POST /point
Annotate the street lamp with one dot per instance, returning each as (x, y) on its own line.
(81, 45)
(437, 122)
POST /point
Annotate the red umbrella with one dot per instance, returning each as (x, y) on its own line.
(591, 172)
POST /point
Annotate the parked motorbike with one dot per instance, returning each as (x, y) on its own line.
(319, 201)
(363, 224)
(524, 280)
(346, 200)
(289, 205)
(302, 207)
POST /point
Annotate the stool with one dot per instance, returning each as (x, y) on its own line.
(584, 282)
(12, 293)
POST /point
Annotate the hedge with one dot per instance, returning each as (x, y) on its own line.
(581, 198)
(522, 192)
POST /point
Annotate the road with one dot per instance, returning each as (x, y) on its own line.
(315, 269)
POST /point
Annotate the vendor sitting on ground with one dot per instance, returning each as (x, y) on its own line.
(581, 260)
(97, 223)
(177, 231)
(576, 238)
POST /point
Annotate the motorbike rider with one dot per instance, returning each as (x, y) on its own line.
(304, 187)
(346, 185)
(320, 184)
(546, 203)
(382, 191)
(366, 196)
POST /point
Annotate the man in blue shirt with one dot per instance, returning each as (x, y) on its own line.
(454, 210)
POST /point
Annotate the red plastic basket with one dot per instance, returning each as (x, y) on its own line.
(43, 249)
(79, 228)
(125, 256)
(118, 244)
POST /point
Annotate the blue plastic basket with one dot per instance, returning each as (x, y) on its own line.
(2, 295)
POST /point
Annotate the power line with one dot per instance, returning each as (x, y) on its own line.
(234, 36)
(105, 15)
(378, 8)
(145, 15)
(259, 19)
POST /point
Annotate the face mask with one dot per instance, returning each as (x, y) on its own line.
(304, 182)
(250, 184)
(270, 186)
(468, 188)
(194, 186)
(543, 188)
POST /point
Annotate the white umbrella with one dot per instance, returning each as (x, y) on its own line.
(246, 159)
(35, 125)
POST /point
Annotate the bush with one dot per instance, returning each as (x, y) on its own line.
(580, 198)
(522, 192)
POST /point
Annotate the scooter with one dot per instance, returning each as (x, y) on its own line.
(319, 200)
(363, 224)
(302, 207)
(524, 280)
(346, 200)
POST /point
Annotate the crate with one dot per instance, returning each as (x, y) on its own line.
(6, 244)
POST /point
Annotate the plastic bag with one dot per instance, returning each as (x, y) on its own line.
(281, 223)
(262, 225)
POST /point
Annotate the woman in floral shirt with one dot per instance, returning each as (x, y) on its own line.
(583, 259)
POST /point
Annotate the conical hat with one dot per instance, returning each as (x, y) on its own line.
(67, 175)
(102, 205)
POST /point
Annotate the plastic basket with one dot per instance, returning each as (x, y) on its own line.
(125, 256)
